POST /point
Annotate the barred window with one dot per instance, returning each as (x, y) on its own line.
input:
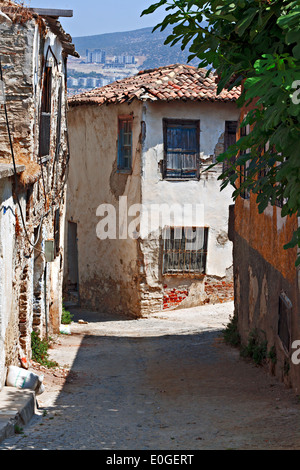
(181, 149)
(185, 250)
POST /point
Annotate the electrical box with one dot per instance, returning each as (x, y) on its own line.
(49, 251)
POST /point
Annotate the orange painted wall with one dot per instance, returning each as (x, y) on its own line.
(262, 234)
(267, 232)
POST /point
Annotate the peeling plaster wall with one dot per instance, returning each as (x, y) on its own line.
(108, 269)
(125, 274)
(206, 192)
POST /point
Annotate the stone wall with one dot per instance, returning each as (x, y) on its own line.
(37, 192)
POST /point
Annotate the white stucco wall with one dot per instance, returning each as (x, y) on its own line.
(204, 192)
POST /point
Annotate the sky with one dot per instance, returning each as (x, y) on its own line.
(92, 17)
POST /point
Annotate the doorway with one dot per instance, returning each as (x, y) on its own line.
(73, 272)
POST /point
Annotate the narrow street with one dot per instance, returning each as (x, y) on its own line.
(162, 383)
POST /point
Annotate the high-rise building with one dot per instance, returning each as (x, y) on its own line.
(98, 56)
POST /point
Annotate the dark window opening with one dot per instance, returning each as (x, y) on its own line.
(284, 321)
(45, 123)
(56, 232)
(47, 91)
(181, 149)
(29, 194)
(72, 251)
(125, 143)
(229, 139)
(185, 250)
(245, 194)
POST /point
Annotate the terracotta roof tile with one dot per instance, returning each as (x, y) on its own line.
(173, 82)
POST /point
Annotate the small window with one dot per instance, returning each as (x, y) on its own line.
(56, 232)
(125, 143)
(229, 139)
(47, 90)
(185, 250)
(284, 321)
(45, 124)
(245, 194)
(181, 149)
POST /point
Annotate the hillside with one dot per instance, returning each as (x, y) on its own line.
(141, 42)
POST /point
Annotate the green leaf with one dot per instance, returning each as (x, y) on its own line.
(296, 52)
(246, 21)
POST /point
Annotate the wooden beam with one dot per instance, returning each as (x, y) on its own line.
(52, 12)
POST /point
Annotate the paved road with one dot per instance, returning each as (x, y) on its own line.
(161, 383)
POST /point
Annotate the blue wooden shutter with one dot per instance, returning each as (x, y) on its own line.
(125, 143)
(181, 149)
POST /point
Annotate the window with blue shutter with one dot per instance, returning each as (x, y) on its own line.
(125, 143)
(181, 149)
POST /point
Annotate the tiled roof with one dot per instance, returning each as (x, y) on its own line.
(173, 82)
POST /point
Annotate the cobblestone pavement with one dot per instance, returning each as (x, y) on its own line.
(160, 383)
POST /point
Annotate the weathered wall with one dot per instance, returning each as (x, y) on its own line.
(33, 298)
(262, 271)
(125, 274)
(108, 269)
(205, 192)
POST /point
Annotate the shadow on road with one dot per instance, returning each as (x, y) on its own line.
(174, 391)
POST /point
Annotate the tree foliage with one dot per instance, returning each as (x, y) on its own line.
(255, 43)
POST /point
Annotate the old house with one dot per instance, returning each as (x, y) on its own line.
(266, 281)
(33, 167)
(146, 226)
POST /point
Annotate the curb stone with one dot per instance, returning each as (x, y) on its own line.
(17, 407)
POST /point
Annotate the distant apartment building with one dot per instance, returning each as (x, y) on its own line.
(88, 82)
(125, 59)
(97, 56)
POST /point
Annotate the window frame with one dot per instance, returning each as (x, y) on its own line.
(121, 168)
(166, 241)
(245, 194)
(183, 123)
(46, 113)
(227, 142)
